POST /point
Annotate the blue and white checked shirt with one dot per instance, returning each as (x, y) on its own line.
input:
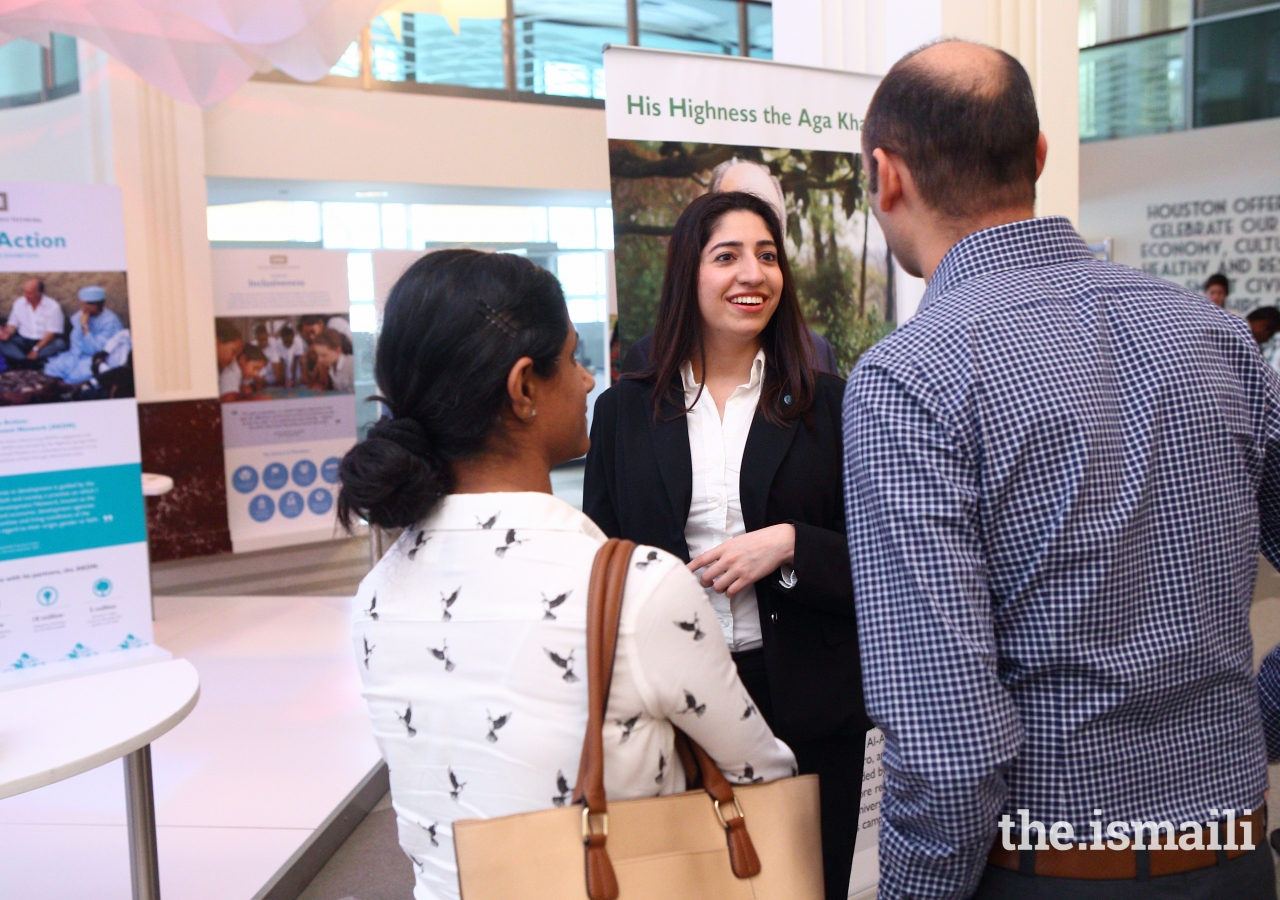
(1269, 698)
(1057, 474)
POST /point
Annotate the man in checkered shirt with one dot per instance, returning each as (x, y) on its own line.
(1059, 474)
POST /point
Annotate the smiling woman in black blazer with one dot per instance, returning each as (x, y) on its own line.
(729, 383)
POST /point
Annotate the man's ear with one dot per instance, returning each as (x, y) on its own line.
(890, 178)
(520, 388)
(1042, 153)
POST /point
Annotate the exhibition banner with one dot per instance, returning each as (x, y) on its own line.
(75, 589)
(286, 379)
(682, 124)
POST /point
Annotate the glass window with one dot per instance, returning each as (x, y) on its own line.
(1132, 87)
(577, 274)
(700, 26)
(386, 48)
(360, 278)
(65, 65)
(1103, 21)
(266, 221)
(349, 65)
(443, 224)
(1216, 7)
(462, 51)
(604, 228)
(760, 30)
(572, 227)
(1238, 69)
(395, 226)
(558, 44)
(435, 49)
(21, 73)
(352, 226)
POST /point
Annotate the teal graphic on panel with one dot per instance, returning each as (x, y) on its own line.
(76, 509)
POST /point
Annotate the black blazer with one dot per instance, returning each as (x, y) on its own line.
(639, 485)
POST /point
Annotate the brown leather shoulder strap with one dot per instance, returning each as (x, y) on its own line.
(604, 610)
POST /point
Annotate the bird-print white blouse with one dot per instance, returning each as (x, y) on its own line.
(470, 636)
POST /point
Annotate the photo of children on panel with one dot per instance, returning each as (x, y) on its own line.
(284, 357)
(64, 336)
(837, 252)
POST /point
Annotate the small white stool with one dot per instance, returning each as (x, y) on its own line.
(154, 485)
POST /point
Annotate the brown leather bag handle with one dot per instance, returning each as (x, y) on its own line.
(742, 853)
(604, 610)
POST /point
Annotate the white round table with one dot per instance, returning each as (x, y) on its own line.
(58, 729)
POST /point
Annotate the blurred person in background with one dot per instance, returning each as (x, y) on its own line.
(1264, 322)
(292, 351)
(335, 361)
(1216, 288)
(230, 342)
(91, 329)
(33, 331)
(313, 375)
(273, 373)
(240, 380)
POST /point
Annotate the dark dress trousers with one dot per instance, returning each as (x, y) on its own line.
(639, 485)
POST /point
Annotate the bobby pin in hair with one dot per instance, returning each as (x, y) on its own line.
(499, 320)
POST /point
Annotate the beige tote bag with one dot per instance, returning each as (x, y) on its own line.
(677, 847)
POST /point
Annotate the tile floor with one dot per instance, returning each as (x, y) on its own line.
(278, 738)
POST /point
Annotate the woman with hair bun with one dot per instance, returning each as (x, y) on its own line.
(470, 633)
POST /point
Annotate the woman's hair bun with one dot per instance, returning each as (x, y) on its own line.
(392, 478)
(406, 432)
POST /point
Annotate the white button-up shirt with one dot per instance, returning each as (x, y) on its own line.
(34, 324)
(715, 514)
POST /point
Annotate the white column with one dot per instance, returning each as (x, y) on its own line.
(834, 34)
(157, 151)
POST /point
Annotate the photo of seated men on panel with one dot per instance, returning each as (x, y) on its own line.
(64, 336)
(284, 357)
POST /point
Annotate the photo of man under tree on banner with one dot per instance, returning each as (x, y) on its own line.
(838, 256)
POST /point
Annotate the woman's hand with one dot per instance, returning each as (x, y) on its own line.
(740, 562)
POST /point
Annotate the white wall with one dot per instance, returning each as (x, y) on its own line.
(1140, 193)
(275, 130)
(65, 140)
